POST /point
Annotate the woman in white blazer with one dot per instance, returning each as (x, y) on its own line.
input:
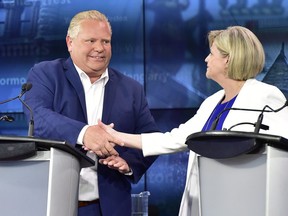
(236, 57)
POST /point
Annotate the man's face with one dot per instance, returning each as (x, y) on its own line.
(91, 49)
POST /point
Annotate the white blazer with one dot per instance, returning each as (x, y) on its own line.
(253, 95)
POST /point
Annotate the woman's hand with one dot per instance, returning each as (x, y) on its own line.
(113, 133)
(119, 138)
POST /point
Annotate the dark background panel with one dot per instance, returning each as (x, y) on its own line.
(160, 43)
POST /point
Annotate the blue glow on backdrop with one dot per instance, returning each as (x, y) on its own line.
(160, 43)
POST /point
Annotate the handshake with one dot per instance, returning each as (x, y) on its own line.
(101, 139)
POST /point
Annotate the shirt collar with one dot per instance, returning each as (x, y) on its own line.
(83, 75)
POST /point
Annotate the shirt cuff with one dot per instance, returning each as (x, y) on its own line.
(81, 135)
(130, 173)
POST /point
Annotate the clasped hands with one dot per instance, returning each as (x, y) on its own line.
(101, 139)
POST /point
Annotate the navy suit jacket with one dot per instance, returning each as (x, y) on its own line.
(58, 101)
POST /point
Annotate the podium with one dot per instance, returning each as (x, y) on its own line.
(241, 173)
(39, 177)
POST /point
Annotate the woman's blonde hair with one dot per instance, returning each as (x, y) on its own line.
(246, 57)
(75, 22)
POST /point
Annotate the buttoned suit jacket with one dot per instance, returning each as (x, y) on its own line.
(57, 99)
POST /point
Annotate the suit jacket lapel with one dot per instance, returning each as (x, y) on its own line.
(109, 96)
(73, 77)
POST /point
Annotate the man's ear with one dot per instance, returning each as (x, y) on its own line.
(68, 43)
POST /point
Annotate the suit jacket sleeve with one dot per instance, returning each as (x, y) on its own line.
(58, 112)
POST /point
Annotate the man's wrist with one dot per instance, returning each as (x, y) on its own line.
(81, 135)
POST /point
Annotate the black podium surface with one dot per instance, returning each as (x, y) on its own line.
(228, 144)
(21, 147)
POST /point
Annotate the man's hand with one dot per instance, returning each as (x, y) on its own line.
(117, 163)
(99, 141)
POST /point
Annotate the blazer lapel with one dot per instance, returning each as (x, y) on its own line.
(109, 96)
(73, 77)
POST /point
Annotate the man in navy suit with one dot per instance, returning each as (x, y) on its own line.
(70, 95)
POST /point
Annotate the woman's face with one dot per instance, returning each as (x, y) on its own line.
(217, 65)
